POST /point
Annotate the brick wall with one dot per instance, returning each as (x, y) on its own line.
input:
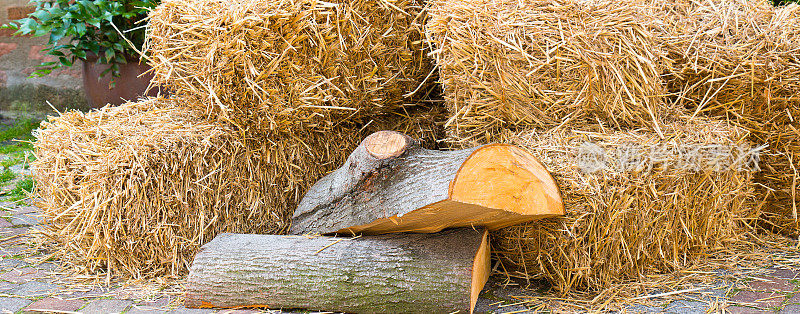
(19, 57)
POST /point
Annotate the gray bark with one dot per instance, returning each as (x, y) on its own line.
(366, 189)
(397, 273)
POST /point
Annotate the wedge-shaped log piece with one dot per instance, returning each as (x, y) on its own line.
(390, 184)
(398, 273)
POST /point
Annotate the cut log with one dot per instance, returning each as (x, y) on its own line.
(398, 273)
(390, 184)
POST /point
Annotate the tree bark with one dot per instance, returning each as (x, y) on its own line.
(398, 273)
(390, 184)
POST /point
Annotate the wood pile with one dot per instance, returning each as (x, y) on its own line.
(427, 191)
(397, 273)
(387, 185)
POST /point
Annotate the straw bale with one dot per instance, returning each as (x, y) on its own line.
(730, 57)
(272, 65)
(543, 63)
(645, 206)
(779, 180)
(740, 60)
(137, 189)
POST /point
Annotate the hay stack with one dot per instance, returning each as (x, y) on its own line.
(509, 63)
(137, 189)
(271, 65)
(730, 57)
(740, 60)
(626, 221)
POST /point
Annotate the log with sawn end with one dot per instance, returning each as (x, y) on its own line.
(390, 184)
(397, 273)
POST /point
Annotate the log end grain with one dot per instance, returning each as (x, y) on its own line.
(506, 177)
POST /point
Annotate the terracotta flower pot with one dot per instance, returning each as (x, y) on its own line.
(130, 85)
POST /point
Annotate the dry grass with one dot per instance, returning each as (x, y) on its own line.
(135, 190)
(626, 223)
(545, 63)
(273, 65)
(740, 60)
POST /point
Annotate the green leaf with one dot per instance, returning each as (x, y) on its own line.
(80, 29)
(41, 15)
(76, 28)
(40, 32)
(26, 26)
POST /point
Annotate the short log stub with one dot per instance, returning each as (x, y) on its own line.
(398, 273)
(390, 184)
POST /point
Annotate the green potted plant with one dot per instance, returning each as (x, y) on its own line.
(105, 35)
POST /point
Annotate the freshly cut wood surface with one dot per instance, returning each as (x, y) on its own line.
(397, 273)
(390, 184)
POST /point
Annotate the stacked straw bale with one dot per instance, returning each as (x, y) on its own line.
(540, 63)
(740, 60)
(645, 206)
(551, 75)
(273, 65)
(137, 189)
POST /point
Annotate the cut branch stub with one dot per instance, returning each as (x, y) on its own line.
(398, 273)
(390, 184)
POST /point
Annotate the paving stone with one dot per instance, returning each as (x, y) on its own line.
(795, 299)
(130, 293)
(20, 170)
(94, 293)
(25, 209)
(13, 304)
(6, 234)
(759, 299)
(183, 310)
(7, 205)
(686, 307)
(147, 310)
(772, 284)
(745, 310)
(54, 305)
(7, 286)
(106, 306)
(5, 224)
(35, 289)
(30, 219)
(11, 263)
(790, 309)
(783, 273)
(47, 267)
(12, 251)
(157, 303)
(31, 202)
(491, 306)
(240, 312)
(720, 293)
(22, 275)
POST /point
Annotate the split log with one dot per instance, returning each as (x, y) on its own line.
(398, 273)
(390, 184)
